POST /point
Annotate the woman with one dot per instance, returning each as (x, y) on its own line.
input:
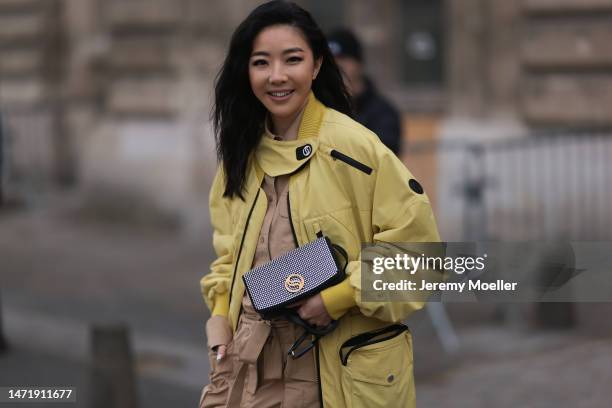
(295, 165)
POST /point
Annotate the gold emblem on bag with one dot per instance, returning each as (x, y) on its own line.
(294, 283)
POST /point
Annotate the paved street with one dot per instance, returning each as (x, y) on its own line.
(61, 276)
(504, 369)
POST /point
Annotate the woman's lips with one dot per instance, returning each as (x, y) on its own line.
(280, 96)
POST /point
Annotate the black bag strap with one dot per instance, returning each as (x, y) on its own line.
(338, 248)
(342, 252)
(314, 330)
(309, 330)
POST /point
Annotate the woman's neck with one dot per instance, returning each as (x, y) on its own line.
(287, 128)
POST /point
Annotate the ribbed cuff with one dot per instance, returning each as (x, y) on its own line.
(338, 299)
(218, 331)
(221, 305)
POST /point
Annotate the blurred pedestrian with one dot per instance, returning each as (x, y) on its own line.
(371, 109)
(293, 166)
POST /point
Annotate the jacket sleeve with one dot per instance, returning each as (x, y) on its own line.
(401, 213)
(216, 284)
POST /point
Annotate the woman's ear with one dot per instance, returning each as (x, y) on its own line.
(317, 67)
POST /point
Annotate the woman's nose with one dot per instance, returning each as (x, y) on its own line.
(277, 74)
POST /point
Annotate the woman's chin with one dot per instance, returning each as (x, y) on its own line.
(284, 112)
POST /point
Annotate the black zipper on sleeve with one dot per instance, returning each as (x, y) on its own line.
(246, 227)
(351, 162)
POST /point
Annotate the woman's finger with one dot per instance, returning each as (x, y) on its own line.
(221, 352)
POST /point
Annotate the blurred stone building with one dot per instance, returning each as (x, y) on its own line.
(113, 96)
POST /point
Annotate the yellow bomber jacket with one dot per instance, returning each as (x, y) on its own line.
(349, 186)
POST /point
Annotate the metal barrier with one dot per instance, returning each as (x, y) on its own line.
(539, 187)
(534, 188)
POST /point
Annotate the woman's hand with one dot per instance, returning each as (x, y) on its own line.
(219, 335)
(313, 311)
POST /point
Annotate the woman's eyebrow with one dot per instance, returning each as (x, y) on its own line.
(294, 49)
(267, 54)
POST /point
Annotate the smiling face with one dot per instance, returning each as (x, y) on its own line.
(281, 70)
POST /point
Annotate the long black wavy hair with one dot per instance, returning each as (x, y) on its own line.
(238, 116)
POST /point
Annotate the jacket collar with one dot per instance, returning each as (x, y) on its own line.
(279, 157)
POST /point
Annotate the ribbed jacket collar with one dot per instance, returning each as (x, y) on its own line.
(279, 157)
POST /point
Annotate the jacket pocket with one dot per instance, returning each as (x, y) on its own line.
(340, 227)
(380, 374)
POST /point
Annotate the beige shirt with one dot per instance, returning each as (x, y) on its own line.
(276, 236)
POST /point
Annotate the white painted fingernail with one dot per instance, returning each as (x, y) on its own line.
(219, 357)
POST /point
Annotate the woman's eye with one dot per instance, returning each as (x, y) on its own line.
(294, 60)
(259, 62)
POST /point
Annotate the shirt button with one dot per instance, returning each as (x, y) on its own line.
(390, 378)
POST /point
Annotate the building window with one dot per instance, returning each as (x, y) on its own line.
(422, 45)
(328, 14)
